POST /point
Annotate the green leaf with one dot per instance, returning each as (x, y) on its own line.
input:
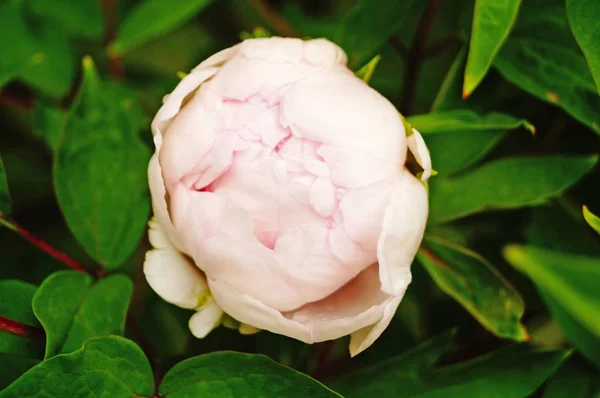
(574, 379)
(476, 285)
(231, 374)
(570, 279)
(368, 26)
(15, 304)
(153, 18)
(13, 366)
(100, 170)
(366, 72)
(72, 308)
(583, 18)
(48, 123)
(449, 94)
(81, 18)
(504, 184)
(591, 219)
(457, 139)
(511, 372)
(492, 22)
(542, 58)
(109, 367)
(5, 204)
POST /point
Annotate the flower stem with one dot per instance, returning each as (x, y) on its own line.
(20, 329)
(276, 21)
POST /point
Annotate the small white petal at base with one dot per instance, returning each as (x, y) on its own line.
(205, 319)
(417, 147)
(365, 337)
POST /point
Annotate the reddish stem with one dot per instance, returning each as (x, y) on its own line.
(324, 353)
(45, 247)
(20, 329)
(415, 56)
(115, 62)
(271, 15)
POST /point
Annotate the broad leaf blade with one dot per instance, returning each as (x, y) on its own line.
(100, 170)
(81, 18)
(591, 219)
(72, 309)
(13, 366)
(5, 204)
(476, 285)
(234, 374)
(511, 372)
(583, 18)
(104, 367)
(449, 94)
(492, 22)
(504, 184)
(153, 18)
(15, 304)
(570, 279)
(368, 26)
(459, 138)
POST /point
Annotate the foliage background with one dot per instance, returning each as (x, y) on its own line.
(504, 300)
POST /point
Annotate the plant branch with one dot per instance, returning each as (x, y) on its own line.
(274, 19)
(20, 329)
(115, 62)
(45, 247)
(440, 46)
(415, 56)
(16, 101)
(399, 46)
(324, 353)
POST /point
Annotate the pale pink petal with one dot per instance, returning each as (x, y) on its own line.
(363, 338)
(417, 146)
(205, 319)
(322, 197)
(322, 52)
(402, 231)
(277, 50)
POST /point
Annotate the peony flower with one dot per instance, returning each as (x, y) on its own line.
(281, 195)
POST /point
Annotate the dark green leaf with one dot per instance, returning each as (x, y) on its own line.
(13, 366)
(510, 372)
(72, 308)
(48, 123)
(368, 26)
(476, 285)
(449, 94)
(457, 139)
(110, 367)
(492, 22)
(153, 18)
(17, 43)
(583, 18)
(572, 280)
(591, 219)
(504, 184)
(100, 158)
(231, 374)
(5, 205)
(574, 380)
(82, 17)
(542, 58)
(15, 304)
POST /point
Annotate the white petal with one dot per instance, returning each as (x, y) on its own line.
(417, 146)
(363, 338)
(171, 275)
(205, 319)
(402, 231)
(322, 52)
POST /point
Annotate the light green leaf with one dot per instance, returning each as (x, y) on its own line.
(232, 374)
(449, 95)
(109, 367)
(476, 285)
(574, 379)
(542, 58)
(5, 204)
(368, 25)
(81, 17)
(366, 72)
(572, 280)
(72, 308)
(511, 372)
(584, 18)
(492, 22)
(504, 184)
(15, 304)
(100, 170)
(13, 366)
(591, 219)
(459, 138)
(153, 18)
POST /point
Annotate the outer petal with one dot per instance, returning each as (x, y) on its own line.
(417, 146)
(402, 231)
(363, 338)
(171, 275)
(205, 319)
